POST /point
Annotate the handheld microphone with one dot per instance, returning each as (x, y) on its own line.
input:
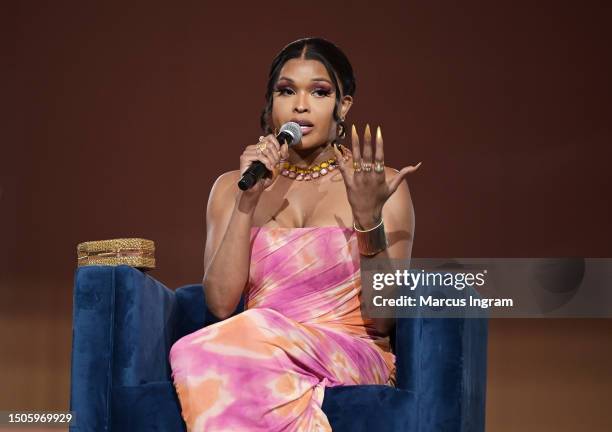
(290, 133)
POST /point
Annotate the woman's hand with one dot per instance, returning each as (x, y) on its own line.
(270, 156)
(367, 185)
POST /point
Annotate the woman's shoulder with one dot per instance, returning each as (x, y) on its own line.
(228, 176)
(225, 180)
(223, 185)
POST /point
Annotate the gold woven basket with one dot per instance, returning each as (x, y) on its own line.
(135, 252)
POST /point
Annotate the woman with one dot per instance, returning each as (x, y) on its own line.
(292, 245)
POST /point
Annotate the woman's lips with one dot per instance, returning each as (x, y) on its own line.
(306, 129)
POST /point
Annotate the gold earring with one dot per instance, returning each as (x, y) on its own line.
(342, 134)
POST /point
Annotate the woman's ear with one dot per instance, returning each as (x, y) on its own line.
(347, 101)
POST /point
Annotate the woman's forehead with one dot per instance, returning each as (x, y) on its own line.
(303, 71)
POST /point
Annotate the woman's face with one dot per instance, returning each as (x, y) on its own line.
(304, 93)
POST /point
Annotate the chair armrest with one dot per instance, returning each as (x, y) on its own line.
(123, 327)
(444, 361)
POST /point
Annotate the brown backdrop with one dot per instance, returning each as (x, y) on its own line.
(119, 118)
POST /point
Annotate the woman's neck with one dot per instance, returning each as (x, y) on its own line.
(307, 157)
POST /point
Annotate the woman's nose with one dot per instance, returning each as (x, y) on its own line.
(301, 104)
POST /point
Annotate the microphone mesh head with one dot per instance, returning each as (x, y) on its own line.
(293, 129)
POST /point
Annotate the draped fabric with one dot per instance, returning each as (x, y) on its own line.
(302, 330)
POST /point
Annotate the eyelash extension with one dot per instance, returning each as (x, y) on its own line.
(323, 92)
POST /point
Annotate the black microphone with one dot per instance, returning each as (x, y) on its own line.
(290, 133)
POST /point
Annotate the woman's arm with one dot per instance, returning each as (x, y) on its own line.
(229, 217)
(399, 220)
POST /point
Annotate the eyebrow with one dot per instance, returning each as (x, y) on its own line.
(314, 79)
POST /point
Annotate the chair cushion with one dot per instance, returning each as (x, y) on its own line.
(151, 407)
(362, 408)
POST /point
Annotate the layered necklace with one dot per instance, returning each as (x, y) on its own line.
(313, 171)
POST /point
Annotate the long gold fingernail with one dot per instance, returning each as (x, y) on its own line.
(378, 134)
(368, 134)
(354, 133)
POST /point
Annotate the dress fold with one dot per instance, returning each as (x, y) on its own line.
(302, 330)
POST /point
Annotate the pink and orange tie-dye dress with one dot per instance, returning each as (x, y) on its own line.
(302, 330)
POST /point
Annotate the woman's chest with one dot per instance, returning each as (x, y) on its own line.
(306, 205)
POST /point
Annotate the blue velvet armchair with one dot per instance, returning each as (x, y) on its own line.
(125, 321)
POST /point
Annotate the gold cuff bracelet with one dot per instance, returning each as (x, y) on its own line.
(371, 241)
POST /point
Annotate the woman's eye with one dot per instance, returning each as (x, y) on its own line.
(321, 92)
(316, 92)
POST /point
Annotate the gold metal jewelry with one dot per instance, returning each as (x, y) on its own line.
(341, 124)
(367, 166)
(314, 171)
(262, 146)
(371, 241)
(356, 166)
(379, 166)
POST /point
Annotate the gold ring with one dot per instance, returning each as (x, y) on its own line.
(379, 166)
(367, 166)
(262, 146)
(356, 166)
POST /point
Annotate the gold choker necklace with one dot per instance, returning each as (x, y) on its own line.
(312, 172)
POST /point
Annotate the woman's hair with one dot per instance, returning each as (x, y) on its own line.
(337, 64)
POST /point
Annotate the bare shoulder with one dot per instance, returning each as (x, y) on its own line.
(398, 209)
(227, 178)
(225, 182)
(218, 212)
(222, 192)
